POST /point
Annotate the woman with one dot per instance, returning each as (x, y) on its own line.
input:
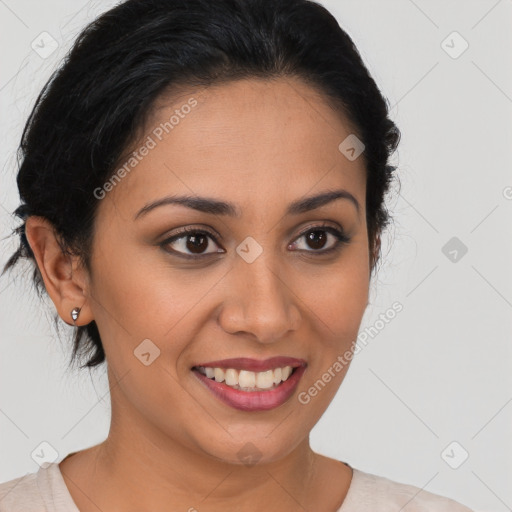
(202, 190)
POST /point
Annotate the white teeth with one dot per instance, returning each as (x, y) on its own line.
(231, 377)
(248, 381)
(265, 380)
(287, 370)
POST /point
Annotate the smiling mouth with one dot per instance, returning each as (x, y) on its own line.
(251, 385)
(244, 380)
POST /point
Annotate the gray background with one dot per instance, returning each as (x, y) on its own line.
(440, 370)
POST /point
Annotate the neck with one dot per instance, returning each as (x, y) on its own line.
(138, 457)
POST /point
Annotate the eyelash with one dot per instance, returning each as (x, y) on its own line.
(341, 237)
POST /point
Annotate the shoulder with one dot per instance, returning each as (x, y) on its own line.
(43, 491)
(369, 492)
(21, 493)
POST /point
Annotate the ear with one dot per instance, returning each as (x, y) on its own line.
(66, 282)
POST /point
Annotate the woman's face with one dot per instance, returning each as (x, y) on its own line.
(255, 283)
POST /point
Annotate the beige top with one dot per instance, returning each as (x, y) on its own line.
(46, 491)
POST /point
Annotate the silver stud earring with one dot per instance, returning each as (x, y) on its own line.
(74, 314)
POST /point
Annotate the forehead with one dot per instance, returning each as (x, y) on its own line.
(256, 141)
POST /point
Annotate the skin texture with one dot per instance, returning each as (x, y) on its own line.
(172, 445)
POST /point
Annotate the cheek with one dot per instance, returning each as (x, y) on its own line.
(337, 297)
(136, 301)
(344, 304)
(337, 305)
(129, 297)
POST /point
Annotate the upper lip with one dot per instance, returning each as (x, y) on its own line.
(255, 365)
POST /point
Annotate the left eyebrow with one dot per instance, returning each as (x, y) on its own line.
(312, 203)
(216, 207)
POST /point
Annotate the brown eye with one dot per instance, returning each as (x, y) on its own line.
(191, 243)
(317, 238)
(196, 243)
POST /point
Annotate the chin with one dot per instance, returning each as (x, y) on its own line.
(250, 450)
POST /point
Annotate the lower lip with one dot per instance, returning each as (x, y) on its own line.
(253, 400)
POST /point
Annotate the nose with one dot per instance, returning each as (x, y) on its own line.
(258, 301)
